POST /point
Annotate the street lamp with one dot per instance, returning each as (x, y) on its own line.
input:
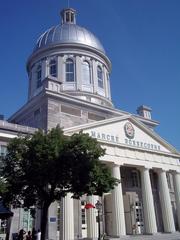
(99, 208)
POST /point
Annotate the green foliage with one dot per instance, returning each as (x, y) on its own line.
(48, 165)
(89, 175)
(32, 169)
(42, 168)
(2, 186)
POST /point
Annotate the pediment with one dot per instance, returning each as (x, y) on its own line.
(126, 131)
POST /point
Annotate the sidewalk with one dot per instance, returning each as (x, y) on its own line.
(159, 236)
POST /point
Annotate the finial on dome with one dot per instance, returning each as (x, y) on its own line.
(68, 15)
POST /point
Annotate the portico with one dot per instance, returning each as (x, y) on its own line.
(146, 200)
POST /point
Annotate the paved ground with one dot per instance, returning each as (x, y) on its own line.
(163, 236)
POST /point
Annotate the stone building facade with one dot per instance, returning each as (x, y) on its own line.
(69, 85)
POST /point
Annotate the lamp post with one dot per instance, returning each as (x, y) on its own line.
(99, 208)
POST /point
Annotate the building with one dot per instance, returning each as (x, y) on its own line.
(69, 85)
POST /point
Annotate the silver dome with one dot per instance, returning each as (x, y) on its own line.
(68, 33)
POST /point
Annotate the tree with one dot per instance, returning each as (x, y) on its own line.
(2, 186)
(43, 168)
(5, 212)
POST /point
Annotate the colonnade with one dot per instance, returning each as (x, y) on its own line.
(118, 217)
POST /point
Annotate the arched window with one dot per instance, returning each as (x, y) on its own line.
(39, 75)
(53, 68)
(86, 77)
(69, 70)
(100, 77)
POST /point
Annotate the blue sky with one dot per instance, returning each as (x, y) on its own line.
(141, 37)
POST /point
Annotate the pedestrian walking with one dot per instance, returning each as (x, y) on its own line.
(21, 234)
(29, 236)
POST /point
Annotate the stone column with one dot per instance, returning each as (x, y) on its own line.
(118, 219)
(105, 82)
(176, 180)
(78, 73)
(148, 203)
(167, 214)
(45, 69)
(60, 72)
(94, 78)
(67, 218)
(92, 225)
(52, 226)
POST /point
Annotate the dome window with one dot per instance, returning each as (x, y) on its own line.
(69, 70)
(67, 17)
(53, 68)
(39, 75)
(100, 77)
(86, 76)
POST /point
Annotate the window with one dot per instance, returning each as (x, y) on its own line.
(100, 77)
(37, 114)
(168, 176)
(83, 216)
(83, 212)
(71, 110)
(67, 17)
(69, 70)
(3, 150)
(86, 79)
(53, 68)
(39, 73)
(72, 17)
(27, 220)
(135, 179)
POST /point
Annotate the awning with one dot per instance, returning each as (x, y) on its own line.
(4, 212)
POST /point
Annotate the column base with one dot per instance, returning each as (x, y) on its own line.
(152, 234)
(90, 238)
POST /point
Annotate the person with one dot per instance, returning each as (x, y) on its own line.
(34, 233)
(29, 236)
(21, 234)
(38, 235)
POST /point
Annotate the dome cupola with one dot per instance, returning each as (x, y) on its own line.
(68, 16)
(68, 32)
(73, 59)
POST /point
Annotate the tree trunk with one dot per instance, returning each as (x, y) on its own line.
(8, 228)
(44, 219)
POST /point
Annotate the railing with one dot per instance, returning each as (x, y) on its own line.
(16, 127)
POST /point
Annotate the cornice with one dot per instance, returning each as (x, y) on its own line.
(80, 102)
(130, 117)
(70, 46)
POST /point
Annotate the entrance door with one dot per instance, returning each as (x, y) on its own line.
(133, 213)
(138, 227)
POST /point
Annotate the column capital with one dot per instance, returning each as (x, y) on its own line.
(143, 168)
(115, 165)
(175, 172)
(160, 170)
(115, 169)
